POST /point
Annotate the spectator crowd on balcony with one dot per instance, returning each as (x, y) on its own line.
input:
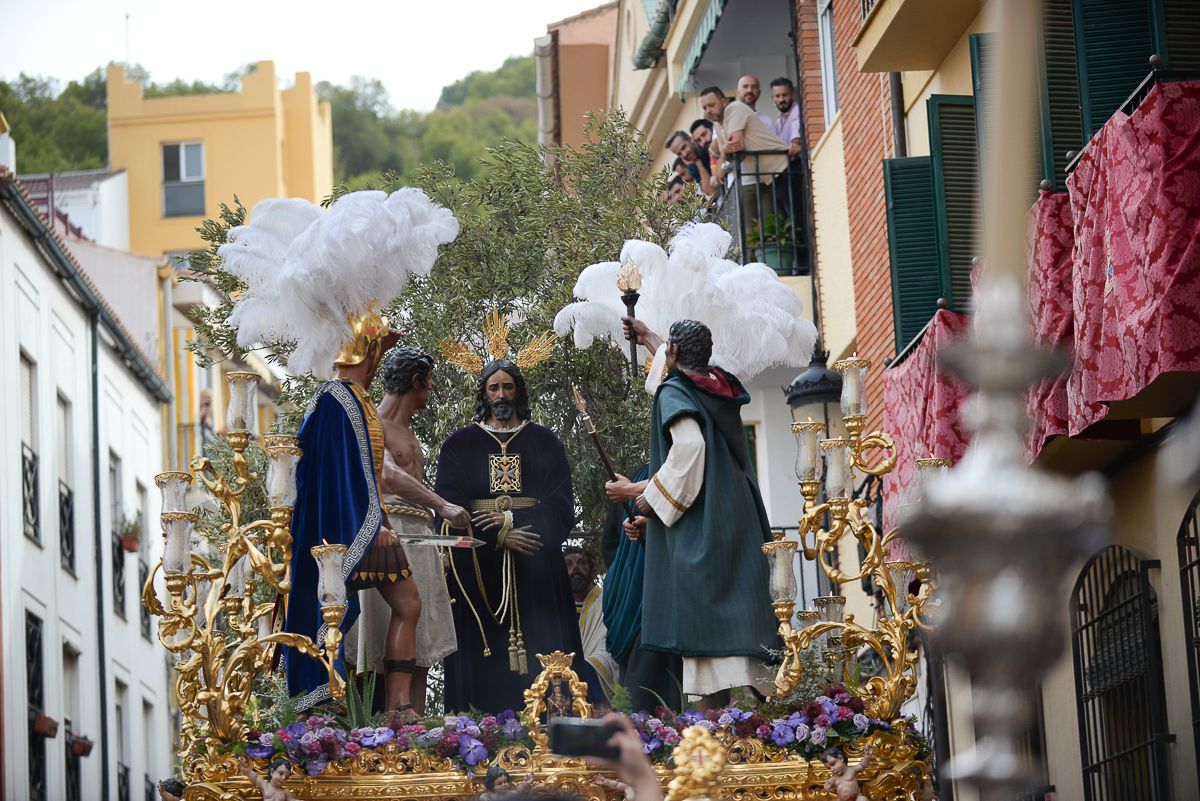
(734, 130)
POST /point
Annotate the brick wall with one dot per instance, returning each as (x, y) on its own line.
(867, 137)
(808, 91)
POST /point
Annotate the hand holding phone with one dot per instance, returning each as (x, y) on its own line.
(576, 737)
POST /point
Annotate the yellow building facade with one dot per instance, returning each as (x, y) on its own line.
(186, 155)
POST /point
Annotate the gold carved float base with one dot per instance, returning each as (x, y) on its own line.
(751, 772)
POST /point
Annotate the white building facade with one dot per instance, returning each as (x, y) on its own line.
(81, 450)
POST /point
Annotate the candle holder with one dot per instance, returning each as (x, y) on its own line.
(834, 635)
(209, 618)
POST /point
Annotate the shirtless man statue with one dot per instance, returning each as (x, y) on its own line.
(406, 374)
(844, 779)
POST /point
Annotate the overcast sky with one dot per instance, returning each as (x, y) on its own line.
(414, 47)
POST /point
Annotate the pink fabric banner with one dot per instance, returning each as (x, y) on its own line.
(922, 411)
(1135, 202)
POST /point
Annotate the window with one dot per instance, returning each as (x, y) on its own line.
(71, 722)
(30, 496)
(183, 179)
(35, 693)
(122, 727)
(148, 741)
(66, 495)
(1189, 580)
(827, 44)
(933, 218)
(1117, 653)
(117, 517)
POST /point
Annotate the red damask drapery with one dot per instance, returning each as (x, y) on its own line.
(922, 408)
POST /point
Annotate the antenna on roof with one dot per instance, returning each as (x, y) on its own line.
(127, 61)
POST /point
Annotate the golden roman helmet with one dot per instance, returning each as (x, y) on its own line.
(495, 334)
(370, 329)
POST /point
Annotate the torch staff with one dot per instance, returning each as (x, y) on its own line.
(629, 281)
(581, 405)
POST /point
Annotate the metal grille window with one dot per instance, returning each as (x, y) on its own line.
(1118, 679)
(29, 494)
(122, 782)
(149, 793)
(66, 527)
(118, 575)
(71, 763)
(35, 693)
(143, 574)
(1189, 580)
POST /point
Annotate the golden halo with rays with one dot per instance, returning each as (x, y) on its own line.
(496, 330)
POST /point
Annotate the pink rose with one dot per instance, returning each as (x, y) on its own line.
(352, 749)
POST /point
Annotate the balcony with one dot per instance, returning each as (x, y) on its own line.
(900, 35)
(118, 576)
(122, 782)
(30, 500)
(66, 527)
(768, 217)
(143, 575)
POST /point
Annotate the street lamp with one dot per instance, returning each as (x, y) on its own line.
(813, 392)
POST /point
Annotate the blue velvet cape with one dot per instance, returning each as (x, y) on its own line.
(546, 603)
(623, 584)
(337, 501)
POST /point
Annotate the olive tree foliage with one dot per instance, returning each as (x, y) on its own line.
(527, 230)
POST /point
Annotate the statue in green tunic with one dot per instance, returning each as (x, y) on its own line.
(706, 595)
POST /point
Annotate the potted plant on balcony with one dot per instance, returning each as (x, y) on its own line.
(80, 745)
(130, 530)
(43, 724)
(773, 244)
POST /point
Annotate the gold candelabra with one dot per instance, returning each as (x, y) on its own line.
(210, 620)
(822, 529)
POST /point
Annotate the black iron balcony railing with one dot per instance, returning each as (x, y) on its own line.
(143, 574)
(118, 576)
(122, 782)
(29, 494)
(150, 792)
(66, 527)
(765, 207)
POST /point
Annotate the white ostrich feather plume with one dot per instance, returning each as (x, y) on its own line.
(754, 317)
(307, 269)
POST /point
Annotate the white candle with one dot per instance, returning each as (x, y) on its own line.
(178, 526)
(242, 414)
(839, 477)
(929, 468)
(331, 589)
(283, 457)
(808, 452)
(174, 486)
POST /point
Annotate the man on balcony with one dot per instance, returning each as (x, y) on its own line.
(787, 125)
(739, 131)
(749, 90)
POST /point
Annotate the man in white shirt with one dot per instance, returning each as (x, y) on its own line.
(740, 130)
(787, 125)
(749, 90)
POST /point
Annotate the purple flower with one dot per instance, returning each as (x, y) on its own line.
(267, 740)
(505, 716)
(488, 723)
(783, 734)
(762, 732)
(690, 717)
(315, 767)
(738, 715)
(512, 729)
(471, 750)
(818, 736)
(383, 735)
(653, 723)
(861, 722)
(310, 743)
(652, 745)
(706, 724)
(295, 731)
(472, 730)
(259, 751)
(364, 736)
(801, 732)
(844, 713)
(671, 737)
(451, 723)
(726, 719)
(795, 719)
(823, 721)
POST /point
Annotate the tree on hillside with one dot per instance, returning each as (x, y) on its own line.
(526, 233)
(55, 129)
(515, 78)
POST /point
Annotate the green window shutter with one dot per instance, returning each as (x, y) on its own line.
(955, 192)
(912, 244)
(1062, 126)
(1180, 19)
(983, 54)
(1114, 40)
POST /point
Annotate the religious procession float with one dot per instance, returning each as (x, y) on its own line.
(243, 603)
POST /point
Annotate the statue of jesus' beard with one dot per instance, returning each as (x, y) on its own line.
(502, 410)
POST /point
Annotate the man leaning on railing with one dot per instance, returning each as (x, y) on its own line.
(740, 130)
